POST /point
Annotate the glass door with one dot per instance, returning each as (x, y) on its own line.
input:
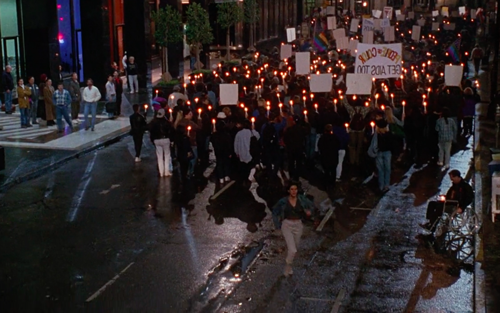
(11, 55)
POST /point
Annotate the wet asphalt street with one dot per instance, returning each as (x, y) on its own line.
(102, 234)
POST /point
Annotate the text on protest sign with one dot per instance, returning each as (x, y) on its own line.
(380, 61)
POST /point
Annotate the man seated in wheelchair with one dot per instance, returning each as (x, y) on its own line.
(458, 197)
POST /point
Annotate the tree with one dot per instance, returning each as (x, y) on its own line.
(198, 30)
(252, 16)
(228, 14)
(168, 29)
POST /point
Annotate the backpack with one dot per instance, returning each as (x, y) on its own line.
(269, 136)
(255, 148)
(357, 121)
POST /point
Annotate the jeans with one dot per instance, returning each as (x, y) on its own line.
(33, 111)
(24, 117)
(223, 167)
(8, 101)
(339, 165)
(62, 111)
(138, 144)
(383, 162)
(292, 231)
(444, 152)
(134, 83)
(194, 161)
(355, 146)
(89, 107)
(294, 163)
(163, 155)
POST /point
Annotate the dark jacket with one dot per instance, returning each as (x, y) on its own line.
(132, 69)
(74, 90)
(294, 137)
(461, 192)
(223, 144)
(342, 135)
(7, 82)
(328, 146)
(138, 124)
(279, 209)
(160, 128)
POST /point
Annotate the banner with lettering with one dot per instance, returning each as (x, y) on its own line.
(379, 61)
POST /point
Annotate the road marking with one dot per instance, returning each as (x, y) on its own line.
(80, 191)
(226, 187)
(338, 301)
(109, 283)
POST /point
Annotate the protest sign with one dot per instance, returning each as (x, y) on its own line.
(421, 22)
(339, 33)
(380, 61)
(228, 94)
(354, 25)
(342, 43)
(331, 22)
(286, 51)
(388, 13)
(385, 23)
(376, 13)
(435, 13)
(400, 17)
(358, 84)
(389, 34)
(461, 10)
(321, 83)
(368, 36)
(411, 15)
(353, 46)
(453, 75)
(290, 34)
(415, 33)
(303, 63)
(368, 25)
(435, 26)
(330, 10)
(444, 11)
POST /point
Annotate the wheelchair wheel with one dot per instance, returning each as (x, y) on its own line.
(466, 223)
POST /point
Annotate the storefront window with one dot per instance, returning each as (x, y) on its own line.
(8, 18)
(9, 35)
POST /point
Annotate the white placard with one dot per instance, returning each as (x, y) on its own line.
(398, 12)
(388, 12)
(435, 13)
(400, 17)
(353, 46)
(376, 24)
(473, 13)
(290, 34)
(385, 22)
(435, 26)
(380, 61)
(303, 63)
(330, 10)
(228, 94)
(286, 51)
(450, 26)
(444, 11)
(411, 15)
(354, 25)
(415, 33)
(421, 22)
(343, 43)
(339, 33)
(389, 34)
(368, 25)
(376, 13)
(453, 75)
(304, 30)
(321, 83)
(331, 22)
(368, 36)
(461, 10)
(358, 84)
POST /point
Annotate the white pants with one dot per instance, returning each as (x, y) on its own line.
(341, 161)
(444, 152)
(292, 231)
(133, 82)
(163, 155)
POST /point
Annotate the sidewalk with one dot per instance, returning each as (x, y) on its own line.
(381, 268)
(32, 152)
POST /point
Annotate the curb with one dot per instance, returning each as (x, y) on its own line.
(43, 170)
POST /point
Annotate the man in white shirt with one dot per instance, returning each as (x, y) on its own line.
(242, 143)
(176, 95)
(90, 96)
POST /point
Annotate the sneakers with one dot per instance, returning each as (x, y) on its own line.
(251, 176)
(440, 163)
(221, 181)
(227, 178)
(137, 160)
(167, 174)
(288, 270)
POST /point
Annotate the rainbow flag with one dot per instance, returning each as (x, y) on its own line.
(454, 50)
(321, 42)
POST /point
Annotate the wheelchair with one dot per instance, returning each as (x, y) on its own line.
(447, 218)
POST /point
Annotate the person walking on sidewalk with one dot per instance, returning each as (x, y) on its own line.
(8, 87)
(447, 130)
(132, 75)
(62, 101)
(138, 125)
(74, 92)
(35, 94)
(162, 133)
(288, 214)
(23, 97)
(90, 96)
